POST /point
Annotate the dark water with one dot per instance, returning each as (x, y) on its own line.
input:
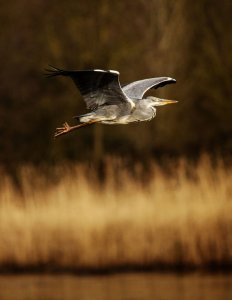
(122, 286)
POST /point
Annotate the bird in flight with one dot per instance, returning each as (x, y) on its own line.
(109, 101)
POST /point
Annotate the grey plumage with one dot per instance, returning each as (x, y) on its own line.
(138, 88)
(98, 87)
(110, 103)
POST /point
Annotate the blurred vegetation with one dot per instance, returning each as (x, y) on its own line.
(178, 222)
(189, 41)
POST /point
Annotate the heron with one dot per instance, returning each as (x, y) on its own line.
(110, 102)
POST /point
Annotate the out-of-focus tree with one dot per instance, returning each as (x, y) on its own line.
(188, 41)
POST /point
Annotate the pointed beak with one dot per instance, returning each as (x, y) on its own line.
(165, 101)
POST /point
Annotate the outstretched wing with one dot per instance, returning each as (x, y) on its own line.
(98, 87)
(138, 88)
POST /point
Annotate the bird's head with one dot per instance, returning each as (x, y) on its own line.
(159, 102)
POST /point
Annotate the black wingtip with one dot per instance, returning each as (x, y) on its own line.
(170, 80)
(52, 71)
(166, 81)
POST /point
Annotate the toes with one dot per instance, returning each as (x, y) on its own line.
(66, 126)
(58, 133)
(62, 130)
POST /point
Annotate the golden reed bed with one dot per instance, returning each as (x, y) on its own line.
(176, 219)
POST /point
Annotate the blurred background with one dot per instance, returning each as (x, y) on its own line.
(165, 201)
(189, 42)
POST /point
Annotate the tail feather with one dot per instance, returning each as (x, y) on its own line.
(78, 117)
(85, 117)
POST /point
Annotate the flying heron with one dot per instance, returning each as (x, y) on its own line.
(110, 102)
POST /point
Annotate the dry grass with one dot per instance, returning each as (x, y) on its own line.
(178, 220)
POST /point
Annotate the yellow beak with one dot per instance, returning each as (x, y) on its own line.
(169, 101)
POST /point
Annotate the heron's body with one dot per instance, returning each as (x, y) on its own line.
(109, 102)
(122, 114)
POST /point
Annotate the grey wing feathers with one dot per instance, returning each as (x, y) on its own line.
(138, 88)
(98, 87)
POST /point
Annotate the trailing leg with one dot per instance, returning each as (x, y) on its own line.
(66, 128)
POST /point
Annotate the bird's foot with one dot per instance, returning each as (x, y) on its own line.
(66, 128)
(62, 130)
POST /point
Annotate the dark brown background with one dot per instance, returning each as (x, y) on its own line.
(187, 40)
